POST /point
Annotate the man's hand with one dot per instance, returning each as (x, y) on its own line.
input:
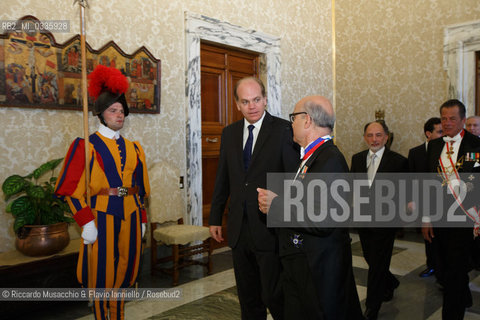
(216, 232)
(411, 207)
(265, 198)
(427, 231)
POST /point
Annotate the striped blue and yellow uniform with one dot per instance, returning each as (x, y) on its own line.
(116, 253)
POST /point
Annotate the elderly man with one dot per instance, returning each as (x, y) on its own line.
(377, 243)
(317, 262)
(473, 125)
(451, 157)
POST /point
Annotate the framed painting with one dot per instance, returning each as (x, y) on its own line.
(37, 72)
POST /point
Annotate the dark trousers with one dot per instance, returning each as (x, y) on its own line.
(299, 289)
(257, 274)
(455, 250)
(433, 258)
(319, 283)
(377, 246)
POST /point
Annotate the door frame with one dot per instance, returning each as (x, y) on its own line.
(197, 28)
(460, 43)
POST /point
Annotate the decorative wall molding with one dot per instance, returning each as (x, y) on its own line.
(199, 27)
(460, 43)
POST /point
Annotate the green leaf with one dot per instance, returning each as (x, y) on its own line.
(22, 220)
(23, 206)
(36, 192)
(8, 209)
(13, 184)
(47, 166)
(19, 222)
(68, 219)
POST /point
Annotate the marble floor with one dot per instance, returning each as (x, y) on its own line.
(214, 296)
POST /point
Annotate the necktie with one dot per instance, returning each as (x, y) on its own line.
(247, 151)
(371, 169)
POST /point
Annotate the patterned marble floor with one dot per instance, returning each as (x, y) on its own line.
(214, 297)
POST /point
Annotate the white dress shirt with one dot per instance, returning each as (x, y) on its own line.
(256, 130)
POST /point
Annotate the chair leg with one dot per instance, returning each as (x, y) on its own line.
(175, 249)
(210, 249)
(153, 255)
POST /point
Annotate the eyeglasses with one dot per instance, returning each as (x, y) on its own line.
(291, 116)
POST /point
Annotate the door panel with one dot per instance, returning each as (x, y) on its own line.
(221, 68)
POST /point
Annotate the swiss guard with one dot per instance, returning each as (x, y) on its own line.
(115, 222)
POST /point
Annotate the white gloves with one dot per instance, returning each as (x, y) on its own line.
(144, 228)
(89, 233)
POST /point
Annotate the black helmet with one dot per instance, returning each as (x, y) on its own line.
(106, 99)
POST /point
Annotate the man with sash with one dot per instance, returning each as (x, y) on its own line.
(377, 243)
(451, 157)
(318, 279)
(115, 222)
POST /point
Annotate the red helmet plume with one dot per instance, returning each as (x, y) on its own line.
(106, 79)
(107, 85)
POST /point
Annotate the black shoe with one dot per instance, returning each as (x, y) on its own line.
(388, 296)
(371, 314)
(426, 273)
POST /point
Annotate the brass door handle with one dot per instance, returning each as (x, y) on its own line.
(214, 140)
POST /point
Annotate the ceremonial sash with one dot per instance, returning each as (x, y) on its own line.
(472, 213)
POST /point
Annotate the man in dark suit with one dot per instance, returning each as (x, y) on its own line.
(250, 148)
(317, 262)
(377, 243)
(417, 162)
(452, 155)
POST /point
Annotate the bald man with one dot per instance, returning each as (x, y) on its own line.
(318, 279)
(473, 125)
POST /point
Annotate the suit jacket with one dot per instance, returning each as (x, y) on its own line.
(470, 143)
(417, 159)
(391, 162)
(327, 158)
(327, 250)
(274, 151)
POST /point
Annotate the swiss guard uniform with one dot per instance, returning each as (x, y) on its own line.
(118, 186)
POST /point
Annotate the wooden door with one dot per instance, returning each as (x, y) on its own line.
(221, 68)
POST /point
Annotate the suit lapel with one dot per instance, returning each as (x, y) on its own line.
(238, 144)
(437, 152)
(384, 162)
(315, 155)
(363, 161)
(465, 147)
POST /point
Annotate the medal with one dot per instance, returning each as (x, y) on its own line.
(297, 240)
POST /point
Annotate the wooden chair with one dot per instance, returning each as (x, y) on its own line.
(166, 208)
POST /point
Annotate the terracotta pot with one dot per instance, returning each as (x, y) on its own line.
(42, 240)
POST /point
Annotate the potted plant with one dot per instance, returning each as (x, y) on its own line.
(41, 223)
